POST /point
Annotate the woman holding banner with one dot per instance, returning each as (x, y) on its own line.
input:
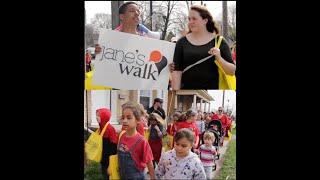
(198, 45)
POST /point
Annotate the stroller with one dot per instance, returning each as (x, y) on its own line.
(218, 133)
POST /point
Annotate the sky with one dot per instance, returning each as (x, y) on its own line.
(218, 96)
(93, 7)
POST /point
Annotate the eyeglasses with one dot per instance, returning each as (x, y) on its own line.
(220, 110)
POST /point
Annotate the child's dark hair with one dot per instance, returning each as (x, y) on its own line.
(184, 133)
(123, 7)
(183, 117)
(191, 113)
(176, 116)
(135, 108)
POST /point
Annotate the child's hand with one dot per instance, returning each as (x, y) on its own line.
(194, 146)
(196, 151)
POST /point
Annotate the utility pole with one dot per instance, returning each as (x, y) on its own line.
(115, 13)
(228, 106)
(223, 99)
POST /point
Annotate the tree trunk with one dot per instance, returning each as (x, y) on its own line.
(225, 19)
(150, 16)
(166, 22)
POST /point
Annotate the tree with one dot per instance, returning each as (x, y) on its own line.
(101, 20)
(232, 22)
(166, 16)
(225, 18)
(144, 7)
(232, 14)
(170, 35)
(89, 37)
(170, 17)
(187, 4)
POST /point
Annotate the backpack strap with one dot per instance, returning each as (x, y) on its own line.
(104, 128)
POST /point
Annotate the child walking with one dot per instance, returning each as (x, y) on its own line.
(207, 153)
(134, 151)
(109, 141)
(180, 162)
(201, 126)
(155, 138)
(171, 130)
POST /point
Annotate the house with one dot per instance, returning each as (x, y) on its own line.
(183, 100)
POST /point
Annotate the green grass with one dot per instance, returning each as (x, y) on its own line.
(229, 163)
(92, 171)
(234, 131)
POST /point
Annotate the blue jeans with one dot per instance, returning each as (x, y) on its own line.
(127, 167)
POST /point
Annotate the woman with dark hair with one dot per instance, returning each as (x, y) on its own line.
(199, 44)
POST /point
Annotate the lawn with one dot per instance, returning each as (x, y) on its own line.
(92, 171)
(228, 169)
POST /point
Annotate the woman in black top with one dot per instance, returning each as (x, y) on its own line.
(198, 44)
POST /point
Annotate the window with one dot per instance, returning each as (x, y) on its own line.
(160, 94)
(145, 98)
(103, 99)
(180, 103)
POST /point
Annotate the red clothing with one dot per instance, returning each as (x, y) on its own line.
(142, 153)
(140, 128)
(156, 147)
(229, 122)
(191, 125)
(88, 58)
(170, 129)
(223, 119)
(110, 132)
(234, 56)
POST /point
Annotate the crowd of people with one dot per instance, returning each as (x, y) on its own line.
(184, 145)
(141, 147)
